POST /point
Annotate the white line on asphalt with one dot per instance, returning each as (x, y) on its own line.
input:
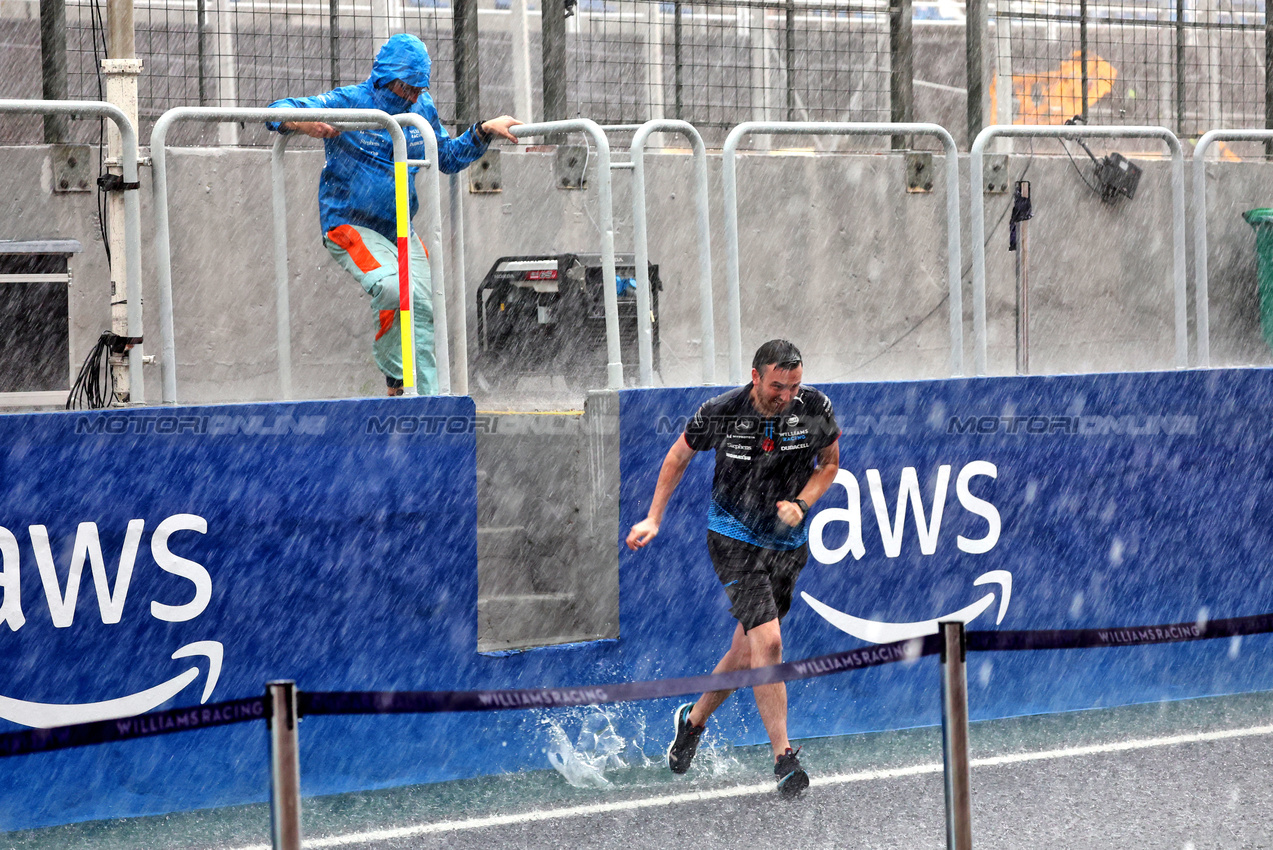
(764, 788)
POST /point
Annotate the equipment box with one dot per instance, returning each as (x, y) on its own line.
(544, 315)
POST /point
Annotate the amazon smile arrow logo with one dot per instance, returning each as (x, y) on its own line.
(875, 631)
(43, 715)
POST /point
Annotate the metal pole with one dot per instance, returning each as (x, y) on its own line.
(730, 190)
(283, 316)
(640, 238)
(605, 205)
(201, 38)
(460, 378)
(1268, 77)
(901, 76)
(1083, 54)
(285, 765)
(1180, 65)
(791, 59)
(464, 38)
(553, 32)
(676, 60)
(1023, 287)
(522, 87)
(53, 66)
(437, 265)
(954, 735)
(333, 40)
(975, 40)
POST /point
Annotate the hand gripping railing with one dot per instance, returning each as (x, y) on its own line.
(614, 368)
(645, 336)
(977, 209)
(433, 242)
(132, 211)
(163, 248)
(1202, 307)
(838, 128)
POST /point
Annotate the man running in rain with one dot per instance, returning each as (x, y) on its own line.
(776, 454)
(356, 201)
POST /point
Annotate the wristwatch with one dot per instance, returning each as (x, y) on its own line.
(804, 508)
(484, 136)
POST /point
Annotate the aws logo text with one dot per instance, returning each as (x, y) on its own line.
(928, 521)
(88, 548)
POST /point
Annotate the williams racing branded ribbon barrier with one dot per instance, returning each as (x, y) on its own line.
(319, 703)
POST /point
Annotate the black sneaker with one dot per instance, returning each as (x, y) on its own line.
(791, 776)
(681, 751)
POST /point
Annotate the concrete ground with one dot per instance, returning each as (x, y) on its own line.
(1193, 774)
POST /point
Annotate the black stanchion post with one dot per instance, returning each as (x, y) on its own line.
(954, 728)
(285, 766)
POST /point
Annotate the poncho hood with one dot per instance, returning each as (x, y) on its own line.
(403, 57)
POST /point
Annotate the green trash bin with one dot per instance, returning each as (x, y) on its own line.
(1262, 222)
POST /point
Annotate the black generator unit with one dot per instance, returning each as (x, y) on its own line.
(544, 315)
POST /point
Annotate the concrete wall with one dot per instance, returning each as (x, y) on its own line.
(835, 255)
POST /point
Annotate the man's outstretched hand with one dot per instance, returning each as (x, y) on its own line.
(313, 129)
(499, 126)
(642, 533)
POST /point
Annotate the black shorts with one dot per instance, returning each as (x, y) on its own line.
(759, 582)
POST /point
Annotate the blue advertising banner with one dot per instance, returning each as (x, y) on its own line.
(186, 555)
(1082, 501)
(168, 558)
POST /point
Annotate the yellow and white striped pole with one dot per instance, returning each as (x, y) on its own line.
(404, 278)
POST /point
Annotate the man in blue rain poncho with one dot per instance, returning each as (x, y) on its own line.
(356, 202)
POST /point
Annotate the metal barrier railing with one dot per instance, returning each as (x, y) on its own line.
(978, 212)
(953, 258)
(132, 211)
(163, 247)
(283, 705)
(1202, 306)
(433, 204)
(645, 337)
(605, 202)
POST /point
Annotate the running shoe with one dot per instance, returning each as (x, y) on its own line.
(681, 751)
(791, 776)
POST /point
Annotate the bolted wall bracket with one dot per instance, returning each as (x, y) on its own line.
(485, 175)
(570, 165)
(72, 168)
(919, 172)
(997, 174)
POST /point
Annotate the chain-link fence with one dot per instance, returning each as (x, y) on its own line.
(1189, 66)
(718, 63)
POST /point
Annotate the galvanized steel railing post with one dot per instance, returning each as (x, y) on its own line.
(1201, 284)
(158, 153)
(132, 211)
(614, 368)
(437, 266)
(954, 727)
(460, 378)
(283, 317)
(734, 302)
(645, 336)
(977, 208)
(285, 765)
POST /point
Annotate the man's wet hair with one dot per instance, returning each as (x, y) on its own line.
(776, 352)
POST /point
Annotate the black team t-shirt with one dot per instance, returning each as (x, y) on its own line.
(760, 461)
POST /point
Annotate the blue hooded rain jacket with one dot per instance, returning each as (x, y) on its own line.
(357, 182)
